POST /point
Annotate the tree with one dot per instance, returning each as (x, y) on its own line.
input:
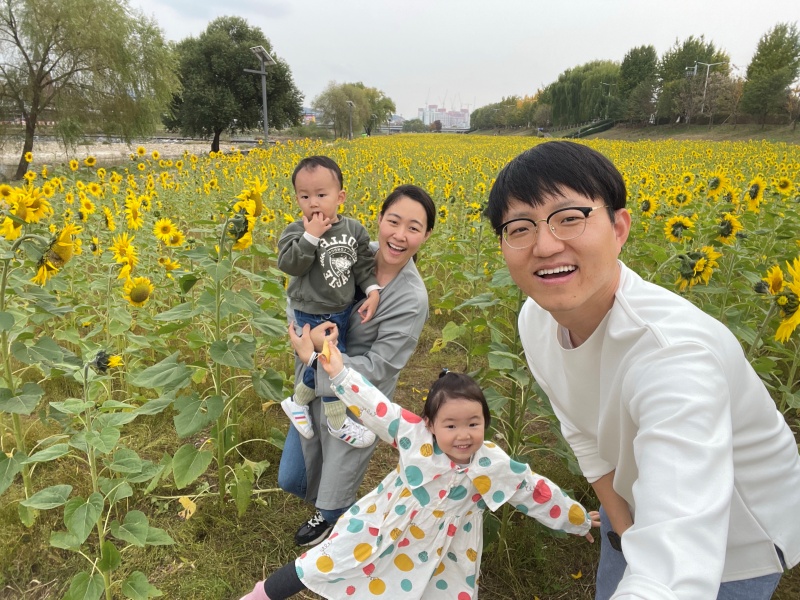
(793, 106)
(218, 95)
(82, 64)
(436, 126)
(639, 65)
(585, 92)
(682, 77)
(370, 107)
(414, 126)
(775, 65)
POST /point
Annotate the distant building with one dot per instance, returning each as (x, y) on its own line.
(450, 119)
(311, 116)
(396, 121)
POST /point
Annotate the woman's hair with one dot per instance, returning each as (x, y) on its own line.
(417, 194)
(451, 386)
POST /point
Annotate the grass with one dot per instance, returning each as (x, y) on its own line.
(218, 556)
(715, 133)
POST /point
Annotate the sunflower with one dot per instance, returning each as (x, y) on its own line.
(95, 245)
(30, 176)
(133, 214)
(140, 151)
(784, 186)
(676, 228)
(754, 194)
(44, 271)
(105, 361)
(122, 245)
(164, 229)
(74, 165)
(254, 192)
(727, 228)
(786, 295)
(95, 189)
(28, 157)
(156, 155)
(90, 161)
(176, 240)
(648, 205)
(774, 280)
(680, 197)
(37, 204)
(87, 206)
(108, 216)
(717, 182)
(168, 263)
(696, 267)
(137, 291)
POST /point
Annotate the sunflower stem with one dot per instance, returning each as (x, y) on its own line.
(770, 313)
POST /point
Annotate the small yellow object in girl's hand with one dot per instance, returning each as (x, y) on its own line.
(326, 351)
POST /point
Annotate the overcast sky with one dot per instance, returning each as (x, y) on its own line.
(469, 53)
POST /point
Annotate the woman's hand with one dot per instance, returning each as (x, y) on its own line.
(320, 331)
(334, 364)
(302, 344)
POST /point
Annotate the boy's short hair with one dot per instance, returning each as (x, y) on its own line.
(548, 168)
(312, 162)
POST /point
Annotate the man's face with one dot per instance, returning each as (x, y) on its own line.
(574, 280)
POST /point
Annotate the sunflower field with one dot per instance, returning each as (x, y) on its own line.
(145, 295)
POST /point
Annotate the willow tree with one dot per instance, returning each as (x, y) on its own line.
(84, 65)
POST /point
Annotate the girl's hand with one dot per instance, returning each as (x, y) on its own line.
(333, 364)
(594, 517)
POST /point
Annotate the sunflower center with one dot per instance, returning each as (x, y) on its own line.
(140, 293)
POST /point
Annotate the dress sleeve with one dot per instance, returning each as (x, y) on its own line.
(296, 254)
(679, 401)
(367, 402)
(540, 498)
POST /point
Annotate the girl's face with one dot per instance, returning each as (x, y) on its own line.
(458, 428)
(402, 229)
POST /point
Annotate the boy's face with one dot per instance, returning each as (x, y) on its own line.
(318, 193)
(574, 280)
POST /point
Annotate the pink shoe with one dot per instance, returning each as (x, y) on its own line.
(258, 593)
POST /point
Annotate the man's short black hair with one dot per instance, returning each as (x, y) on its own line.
(312, 162)
(549, 168)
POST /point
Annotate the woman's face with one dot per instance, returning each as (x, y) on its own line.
(402, 229)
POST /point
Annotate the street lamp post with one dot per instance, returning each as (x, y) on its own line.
(266, 60)
(705, 87)
(350, 104)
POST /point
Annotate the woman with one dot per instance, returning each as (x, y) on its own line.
(323, 470)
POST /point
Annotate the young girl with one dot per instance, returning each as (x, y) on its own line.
(419, 533)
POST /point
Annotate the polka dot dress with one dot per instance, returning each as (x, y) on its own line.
(419, 534)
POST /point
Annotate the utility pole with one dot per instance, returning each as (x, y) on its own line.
(266, 60)
(705, 87)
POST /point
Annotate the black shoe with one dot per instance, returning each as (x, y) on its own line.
(313, 531)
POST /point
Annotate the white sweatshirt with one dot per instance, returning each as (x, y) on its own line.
(663, 393)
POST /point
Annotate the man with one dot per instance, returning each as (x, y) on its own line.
(694, 467)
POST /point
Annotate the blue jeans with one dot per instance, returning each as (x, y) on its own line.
(292, 473)
(613, 564)
(341, 319)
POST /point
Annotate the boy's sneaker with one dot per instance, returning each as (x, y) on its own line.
(313, 531)
(300, 417)
(353, 433)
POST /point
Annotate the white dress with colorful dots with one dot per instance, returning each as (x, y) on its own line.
(419, 534)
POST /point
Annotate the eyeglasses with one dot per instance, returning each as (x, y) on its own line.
(565, 223)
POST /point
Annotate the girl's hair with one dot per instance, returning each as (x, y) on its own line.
(451, 386)
(417, 194)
